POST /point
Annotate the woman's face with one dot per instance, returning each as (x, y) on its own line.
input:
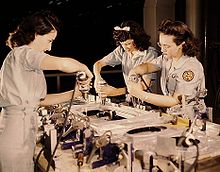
(129, 45)
(169, 47)
(44, 42)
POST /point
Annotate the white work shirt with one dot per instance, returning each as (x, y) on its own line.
(186, 77)
(22, 86)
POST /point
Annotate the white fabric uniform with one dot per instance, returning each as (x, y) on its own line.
(120, 57)
(22, 86)
(186, 78)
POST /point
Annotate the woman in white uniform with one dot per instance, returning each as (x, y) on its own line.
(133, 48)
(23, 88)
(182, 75)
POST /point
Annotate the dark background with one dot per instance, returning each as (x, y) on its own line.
(86, 34)
(87, 25)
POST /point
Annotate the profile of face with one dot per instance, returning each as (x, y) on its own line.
(44, 42)
(129, 45)
(169, 47)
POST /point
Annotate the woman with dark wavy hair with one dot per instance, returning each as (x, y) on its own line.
(182, 75)
(133, 48)
(23, 88)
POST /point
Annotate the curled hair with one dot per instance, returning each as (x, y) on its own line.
(182, 33)
(136, 32)
(41, 23)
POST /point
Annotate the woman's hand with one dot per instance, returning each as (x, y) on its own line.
(108, 90)
(98, 82)
(89, 75)
(83, 81)
(102, 88)
(135, 85)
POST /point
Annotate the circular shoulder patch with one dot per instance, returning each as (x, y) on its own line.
(188, 75)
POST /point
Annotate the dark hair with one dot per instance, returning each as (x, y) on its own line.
(182, 33)
(136, 32)
(40, 22)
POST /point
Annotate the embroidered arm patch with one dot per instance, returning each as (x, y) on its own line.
(188, 75)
